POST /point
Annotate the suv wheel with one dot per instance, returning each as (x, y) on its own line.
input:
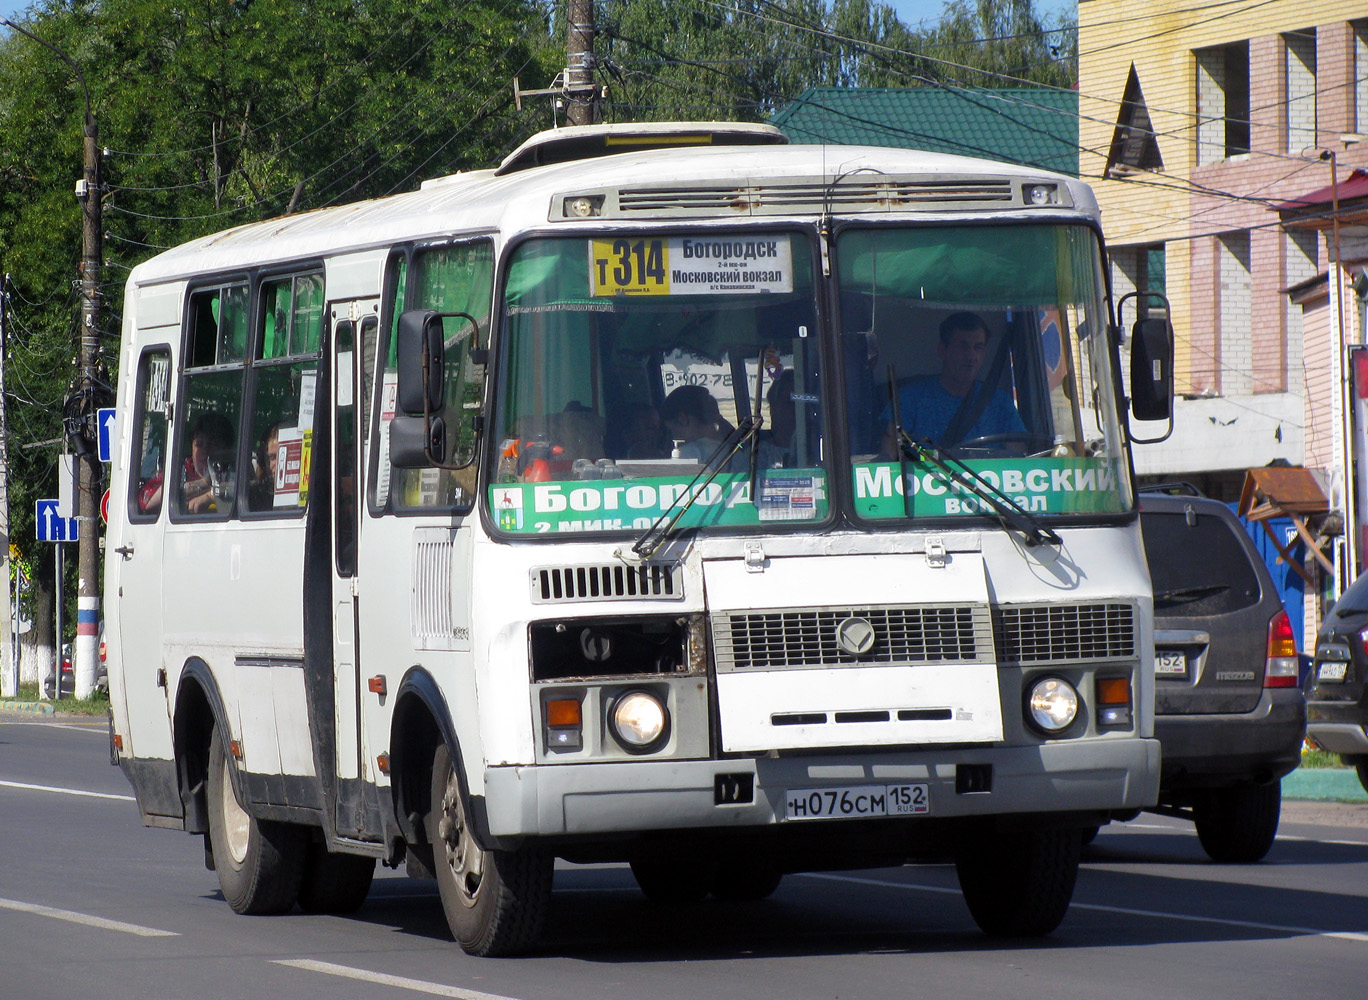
(1238, 824)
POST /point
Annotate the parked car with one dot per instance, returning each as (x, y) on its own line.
(69, 671)
(1336, 692)
(1229, 713)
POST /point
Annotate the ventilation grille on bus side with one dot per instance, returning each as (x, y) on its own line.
(769, 640)
(608, 582)
(846, 196)
(1070, 632)
(433, 613)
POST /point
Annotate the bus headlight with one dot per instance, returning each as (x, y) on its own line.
(638, 721)
(1052, 704)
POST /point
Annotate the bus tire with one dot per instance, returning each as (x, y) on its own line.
(259, 863)
(1237, 825)
(1019, 884)
(495, 901)
(739, 880)
(335, 883)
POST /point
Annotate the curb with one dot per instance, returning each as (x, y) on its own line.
(27, 707)
(1324, 784)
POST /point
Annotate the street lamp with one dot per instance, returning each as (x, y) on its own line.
(87, 476)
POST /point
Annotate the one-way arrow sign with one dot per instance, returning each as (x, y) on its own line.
(52, 526)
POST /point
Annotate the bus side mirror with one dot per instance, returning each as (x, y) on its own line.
(421, 362)
(416, 443)
(1151, 374)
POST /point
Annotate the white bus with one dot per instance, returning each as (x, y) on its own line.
(594, 507)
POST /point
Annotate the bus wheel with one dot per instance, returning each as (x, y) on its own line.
(259, 863)
(1019, 884)
(495, 901)
(743, 879)
(335, 883)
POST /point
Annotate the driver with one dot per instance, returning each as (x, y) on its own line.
(933, 405)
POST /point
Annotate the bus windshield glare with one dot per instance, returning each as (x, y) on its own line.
(629, 359)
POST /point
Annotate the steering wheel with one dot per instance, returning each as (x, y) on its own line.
(995, 442)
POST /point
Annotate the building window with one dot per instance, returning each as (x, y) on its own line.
(1360, 75)
(1236, 302)
(1301, 89)
(1133, 143)
(1139, 269)
(1222, 102)
(1301, 259)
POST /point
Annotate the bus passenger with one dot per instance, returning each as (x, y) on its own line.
(261, 494)
(775, 442)
(643, 433)
(206, 476)
(692, 416)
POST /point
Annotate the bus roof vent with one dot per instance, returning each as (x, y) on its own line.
(585, 142)
(607, 582)
(865, 194)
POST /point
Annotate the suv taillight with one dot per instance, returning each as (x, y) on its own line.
(1281, 669)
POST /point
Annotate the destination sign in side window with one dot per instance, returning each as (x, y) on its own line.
(689, 265)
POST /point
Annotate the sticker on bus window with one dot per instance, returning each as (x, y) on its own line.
(689, 265)
(1041, 486)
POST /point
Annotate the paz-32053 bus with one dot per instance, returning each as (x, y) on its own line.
(630, 502)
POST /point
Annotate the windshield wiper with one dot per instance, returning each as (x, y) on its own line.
(1009, 515)
(654, 536)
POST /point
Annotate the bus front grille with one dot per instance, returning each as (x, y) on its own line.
(1064, 632)
(861, 195)
(785, 639)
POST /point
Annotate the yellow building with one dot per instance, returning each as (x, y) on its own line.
(1196, 122)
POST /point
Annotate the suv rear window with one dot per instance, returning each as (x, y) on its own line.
(1198, 569)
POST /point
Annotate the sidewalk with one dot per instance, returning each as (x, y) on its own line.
(1324, 784)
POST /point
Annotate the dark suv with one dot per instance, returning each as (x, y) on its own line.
(1229, 714)
(1336, 692)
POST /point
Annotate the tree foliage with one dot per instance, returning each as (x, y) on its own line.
(217, 113)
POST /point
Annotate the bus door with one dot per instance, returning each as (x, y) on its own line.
(355, 325)
(135, 557)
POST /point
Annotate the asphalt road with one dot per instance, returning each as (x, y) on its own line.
(94, 905)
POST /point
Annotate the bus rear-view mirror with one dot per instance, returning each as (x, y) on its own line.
(421, 361)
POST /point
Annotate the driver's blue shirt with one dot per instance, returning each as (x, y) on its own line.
(927, 410)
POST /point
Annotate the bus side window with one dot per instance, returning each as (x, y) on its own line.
(203, 481)
(280, 409)
(147, 463)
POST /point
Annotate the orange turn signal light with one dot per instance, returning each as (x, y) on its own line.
(563, 712)
(1112, 690)
(377, 684)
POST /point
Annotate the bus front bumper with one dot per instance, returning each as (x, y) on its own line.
(639, 796)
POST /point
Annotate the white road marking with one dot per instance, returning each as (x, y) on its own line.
(382, 979)
(72, 917)
(66, 791)
(1155, 914)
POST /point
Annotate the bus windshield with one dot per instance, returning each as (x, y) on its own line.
(629, 361)
(985, 345)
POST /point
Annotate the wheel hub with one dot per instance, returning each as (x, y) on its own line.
(463, 856)
(236, 822)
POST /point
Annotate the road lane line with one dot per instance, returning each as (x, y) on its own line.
(382, 979)
(65, 791)
(1154, 914)
(72, 917)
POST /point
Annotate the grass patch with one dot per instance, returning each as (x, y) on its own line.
(1319, 758)
(96, 704)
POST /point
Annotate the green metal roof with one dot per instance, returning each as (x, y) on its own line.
(1034, 127)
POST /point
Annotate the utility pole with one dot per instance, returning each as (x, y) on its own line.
(9, 663)
(80, 424)
(581, 93)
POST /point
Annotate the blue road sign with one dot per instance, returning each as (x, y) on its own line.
(104, 420)
(52, 526)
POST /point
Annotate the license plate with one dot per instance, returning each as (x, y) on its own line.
(854, 801)
(1170, 663)
(1332, 670)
